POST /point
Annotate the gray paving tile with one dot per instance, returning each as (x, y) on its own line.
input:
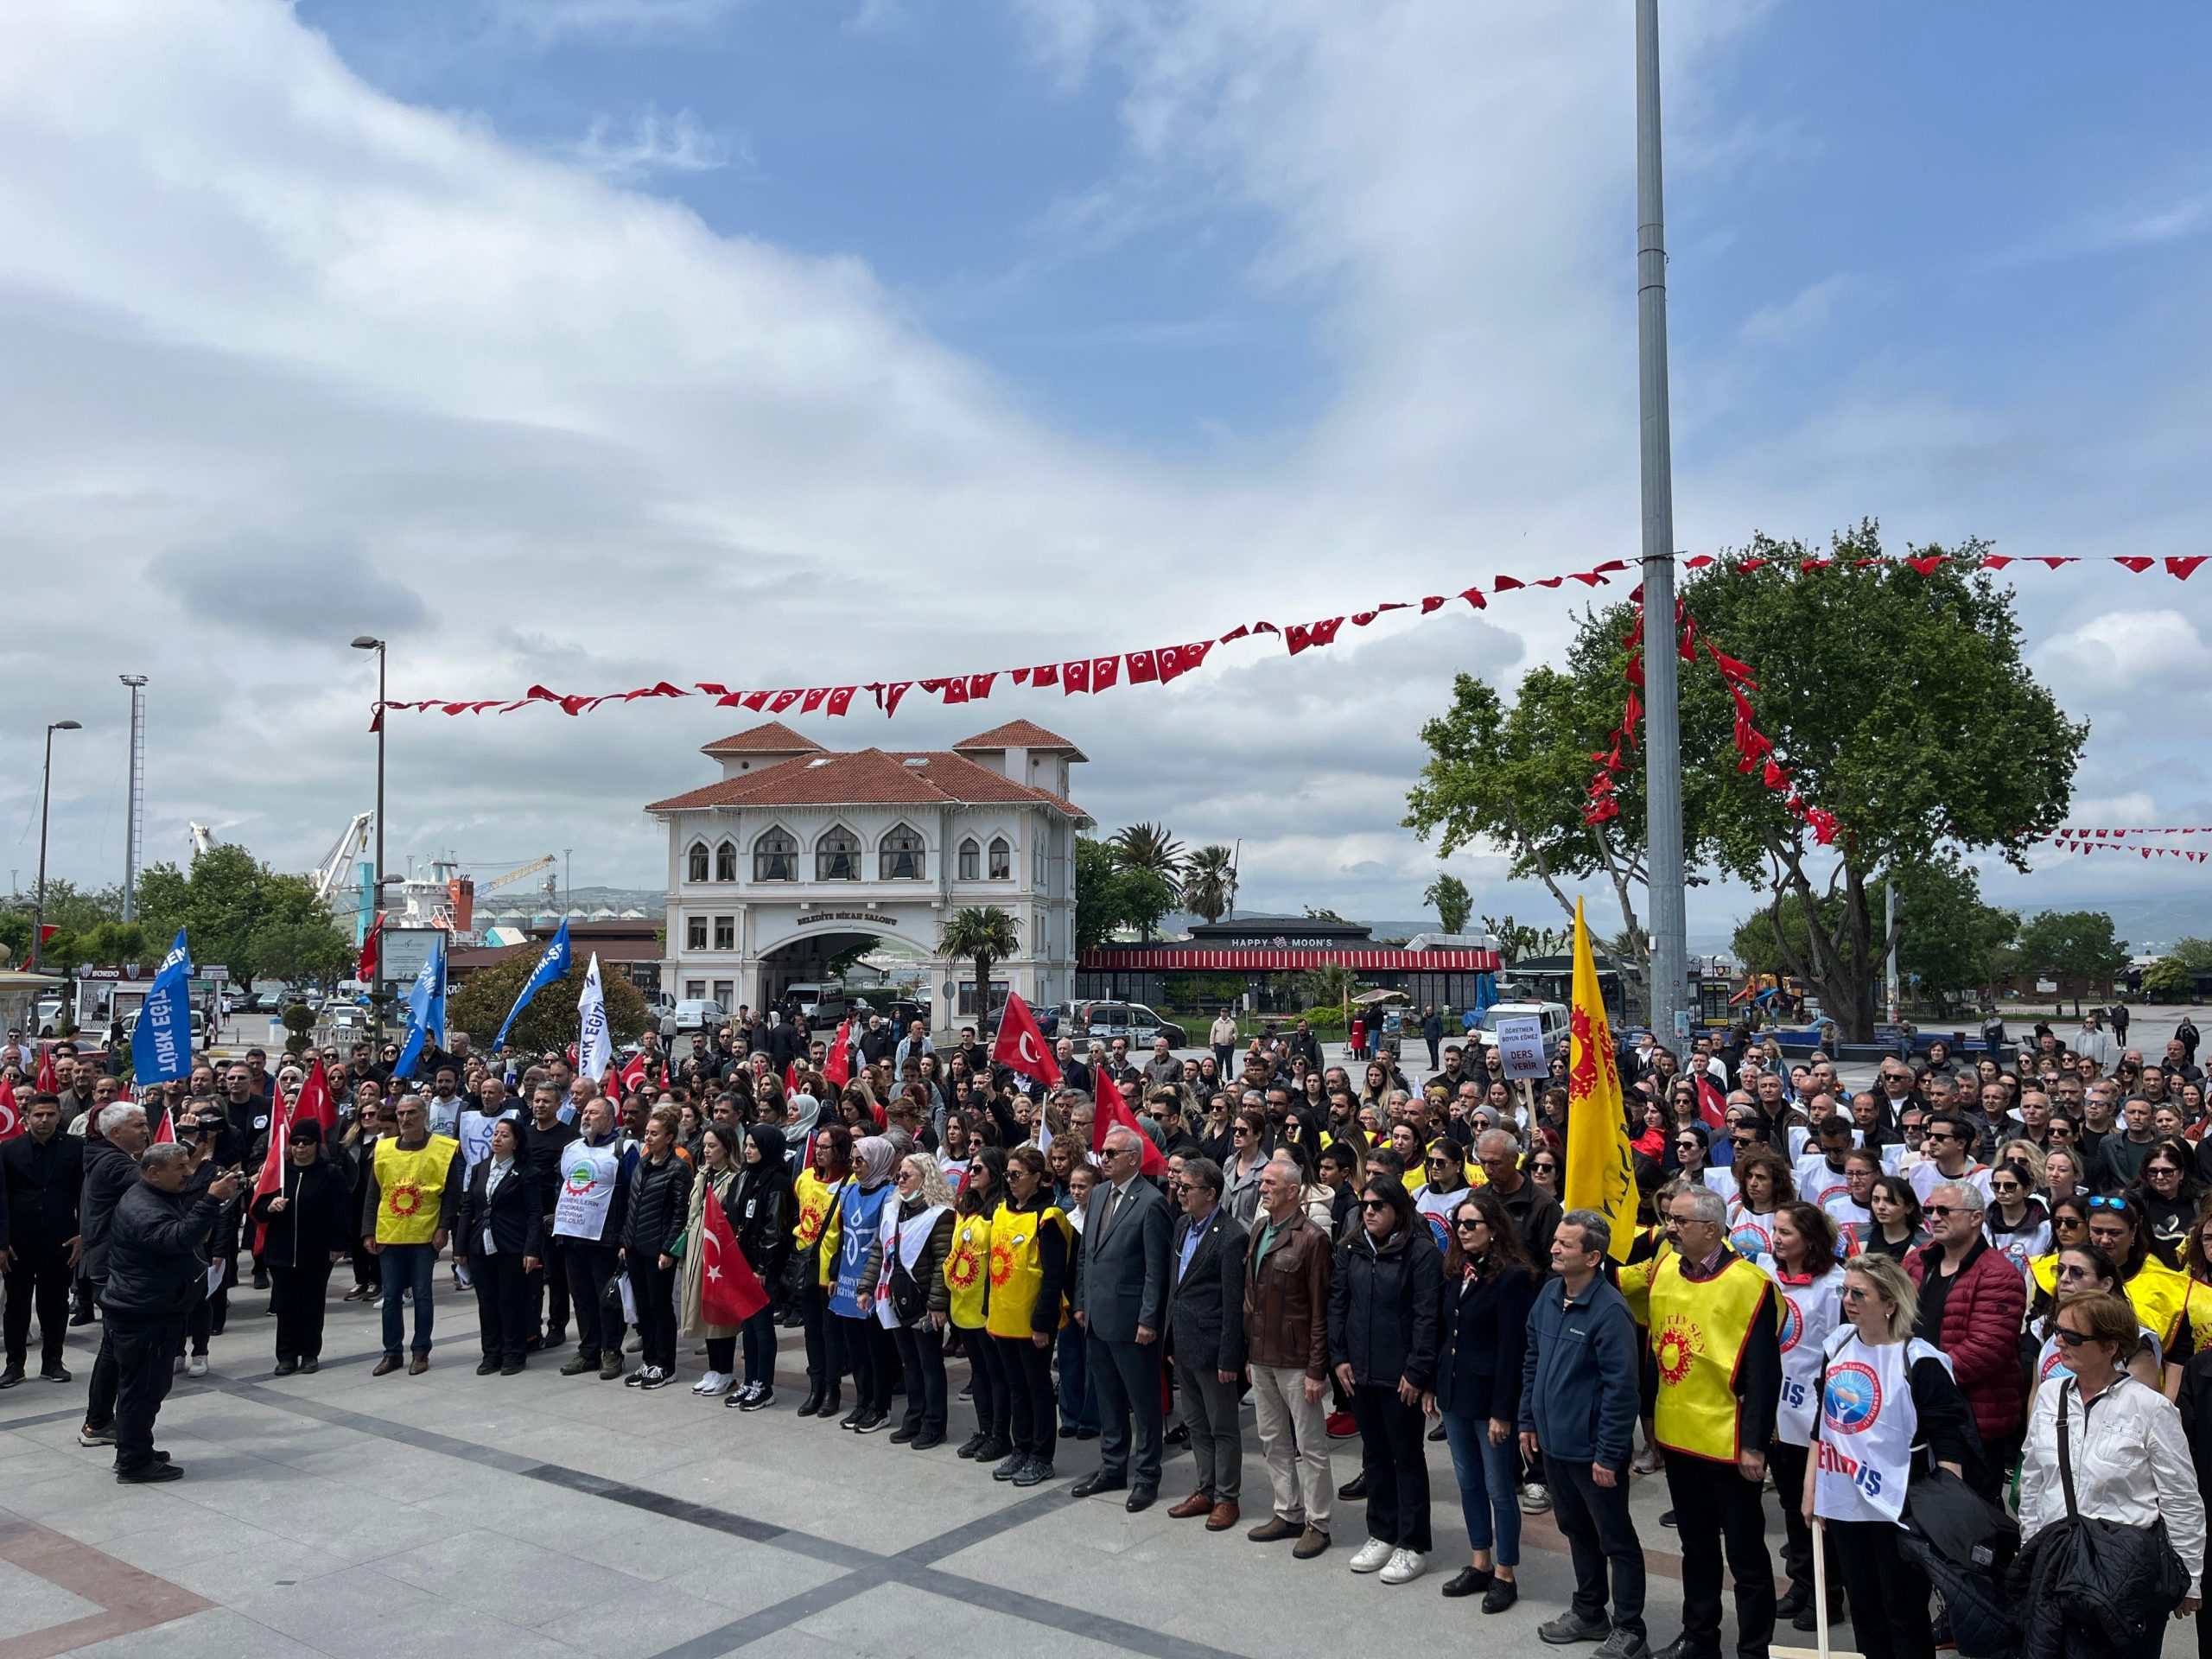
(505, 1578)
(644, 1620)
(356, 1614)
(216, 1633)
(28, 1602)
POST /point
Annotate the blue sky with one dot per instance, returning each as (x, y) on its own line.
(597, 342)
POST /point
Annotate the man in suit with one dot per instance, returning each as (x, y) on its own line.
(1205, 1334)
(1121, 1302)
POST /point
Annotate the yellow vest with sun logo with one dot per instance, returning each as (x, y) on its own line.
(411, 1187)
(1017, 1269)
(1698, 1330)
(965, 1265)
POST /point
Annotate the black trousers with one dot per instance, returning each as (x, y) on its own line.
(822, 1372)
(549, 1289)
(1887, 1595)
(1127, 1377)
(503, 1311)
(299, 1298)
(37, 1279)
(1787, 1463)
(144, 1349)
(600, 1327)
(99, 1392)
(1717, 1510)
(864, 1348)
(1394, 1457)
(1032, 1425)
(921, 1357)
(988, 1384)
(1595, 1520)
(653, 1287)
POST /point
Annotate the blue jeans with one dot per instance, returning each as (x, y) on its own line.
(407, 1266)
(1485, 1476)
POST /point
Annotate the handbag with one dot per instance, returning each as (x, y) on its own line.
(2124, 1579)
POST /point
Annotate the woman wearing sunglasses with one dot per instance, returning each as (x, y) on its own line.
(2160, 1295)
(1692, 1144)
(1888, 1410)
(1444, 1184)
(1489, 1286)
(2017, 1224)
(1543, 1166)
(2079, 1269)
(2170, 1193)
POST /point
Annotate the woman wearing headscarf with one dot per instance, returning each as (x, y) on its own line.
(805, 1115)
(912, 1297)
(759, 1211)
(865, 1344)
(718, 1156)
(814, 1241)
(307, 1222)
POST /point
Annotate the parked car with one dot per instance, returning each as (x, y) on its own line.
(822, 1004)
(1553, 1014)
(1107, 1020)
(699, 1014)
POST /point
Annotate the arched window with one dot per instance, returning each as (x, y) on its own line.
(837, 855)
(775, 856)
(726, 861)
(971, 860)
(1001, 859)
(695, 869)
(902, 857)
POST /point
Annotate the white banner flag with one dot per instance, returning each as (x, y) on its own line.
(594, 1049)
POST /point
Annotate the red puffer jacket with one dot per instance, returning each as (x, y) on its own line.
(1982, 1334)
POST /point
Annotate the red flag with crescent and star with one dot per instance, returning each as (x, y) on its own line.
(1114, 1113)
(729, 1291)
(11, 1116)
(1021, 1047)
(45, 1082)
(838, 1064)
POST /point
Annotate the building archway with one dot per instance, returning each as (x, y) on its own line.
(805, 958)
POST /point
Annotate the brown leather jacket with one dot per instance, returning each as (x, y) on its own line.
(1287, 1301)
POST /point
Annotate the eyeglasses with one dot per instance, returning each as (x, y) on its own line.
(1468, 1223)
(2004, 1187)
(2071, 1339)
(2119, 1205)
(1858, 1293)
(1375, 1204)
(1940, 1211)
(1439, 1163)
(2065, 1271)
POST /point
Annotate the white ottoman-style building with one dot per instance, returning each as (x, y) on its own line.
(800, 853)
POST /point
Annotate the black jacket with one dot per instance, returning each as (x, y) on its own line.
(1384, 1306)
(1206, 1302)
(1485, 1335)
(316, 1219)
(512, 1212)
(110, 1173)
(659, 1209)
(758, 1210)
(541, 1150)
(40, 1188)
(156, 1252)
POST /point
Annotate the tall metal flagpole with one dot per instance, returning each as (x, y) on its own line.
(1663, 730)
(134, 830)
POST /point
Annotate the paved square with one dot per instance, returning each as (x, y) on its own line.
(540, 1515)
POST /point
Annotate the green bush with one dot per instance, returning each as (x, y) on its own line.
(299, 1022)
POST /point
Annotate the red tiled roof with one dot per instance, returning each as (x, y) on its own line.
(770, 737)
(1017, 734)
(869, 777)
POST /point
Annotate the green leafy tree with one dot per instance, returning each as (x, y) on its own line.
(2075, 944)
(982, 936)
(1323, 914)
(1952, 945)
(1329, 988)
(1897, 701)
(548, 1024)
(2195, 955)
(254, 920)
(1209, 882)
(1148, 847)
(1109, 896)
(1448, 895)
(2168, 976)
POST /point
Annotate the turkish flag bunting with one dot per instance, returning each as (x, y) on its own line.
(782, 701)
(1105, 673)
(955, 691)
(1114, 1113)
(1144, 667)
(729, 1291)
(1020, 1046)
(11, 1116)
(891, 693)
(842, 698)
(755, 701)
(1074, 677)
(979, 686)
(1194, 656)
(838, 1064)
(1044, 674)
(1169, 659)
(812, 700)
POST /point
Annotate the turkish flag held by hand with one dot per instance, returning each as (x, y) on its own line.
(315, 1102)
(272, 1166)
(729, 1291)
(1711, 1102)
(1021, 1047)
(1113, 1112)
(838, 1064)
(45, 1083)
(632, 1075)
(11, 1116)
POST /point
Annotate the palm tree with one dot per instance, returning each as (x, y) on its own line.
(1209, 882)
(1148, 847)
(984, 936)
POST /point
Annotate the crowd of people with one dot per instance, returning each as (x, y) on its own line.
(1983, 1283)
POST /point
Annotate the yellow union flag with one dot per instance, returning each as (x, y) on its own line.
(1600, 1171)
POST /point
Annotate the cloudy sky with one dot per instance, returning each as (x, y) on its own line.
(596, 341)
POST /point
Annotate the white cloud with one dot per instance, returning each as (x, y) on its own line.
(656, 143)
(2122, 652)
(1806, 312)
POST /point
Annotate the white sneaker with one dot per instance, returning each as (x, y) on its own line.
(706, 1383)
(718, 1382)
(1370, 1556)
(1405, 1566)
(196, 1366)
(1534, 1499)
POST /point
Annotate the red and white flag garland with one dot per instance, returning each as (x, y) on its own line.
(1162, 664)
(2116, 840)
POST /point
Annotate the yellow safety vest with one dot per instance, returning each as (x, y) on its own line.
(965, 1264)
(1698, 1330)
(1017, 1273)
(817, 1206)
(411, 1187)
(2159, 1295)
(1635, 1278)
(2199, 1304)
(2043, 1271)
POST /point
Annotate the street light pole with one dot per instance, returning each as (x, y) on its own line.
(44, 801)
(134, 828)
(369, 642)
(1663, 745)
